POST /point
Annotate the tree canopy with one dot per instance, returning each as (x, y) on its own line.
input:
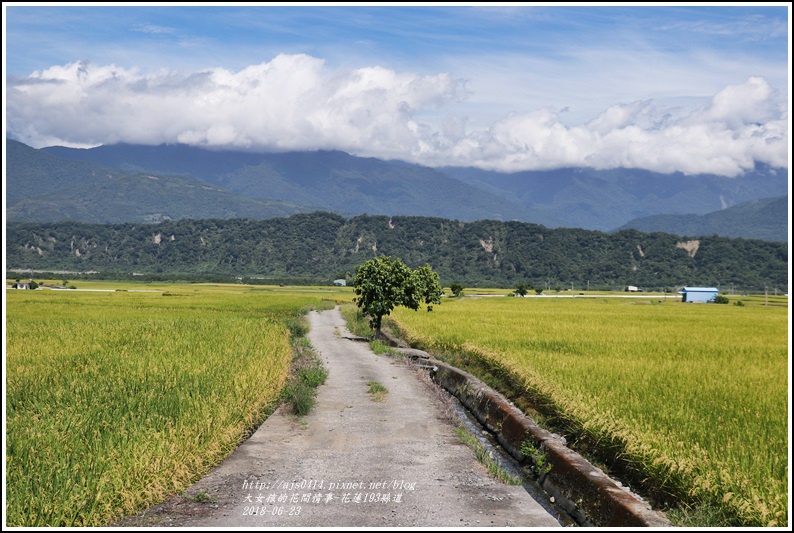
(383, 283)
(456, 289)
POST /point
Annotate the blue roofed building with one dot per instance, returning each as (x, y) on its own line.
(698, 294)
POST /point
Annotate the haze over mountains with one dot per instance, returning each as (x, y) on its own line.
(757, 219)
(331, 180)
(136, 183)
(47, 188)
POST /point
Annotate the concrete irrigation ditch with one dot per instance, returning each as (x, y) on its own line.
(585, 492)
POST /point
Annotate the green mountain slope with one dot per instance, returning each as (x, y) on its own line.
(332, 180)
(31, 173)
(765, 219)
(43, 187)
(606, 199)
(339, 182)
(324, 246)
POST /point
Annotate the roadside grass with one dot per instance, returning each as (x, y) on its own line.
(377, 391)
(117, 400)
(201, 497)
(495, 470)
(357, 323)
(380, 348)
(307, 372)
(538, 460)
(686, 402)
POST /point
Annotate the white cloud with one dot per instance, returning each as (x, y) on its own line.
(153, 28)
(743, 124)
(295, 102)
(751, 102)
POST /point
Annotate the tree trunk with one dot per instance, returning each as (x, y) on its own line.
(378, 321)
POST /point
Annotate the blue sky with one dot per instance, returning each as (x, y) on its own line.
(507, 87)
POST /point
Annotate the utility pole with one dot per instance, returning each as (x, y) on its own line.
(766, 296)
(588, 285)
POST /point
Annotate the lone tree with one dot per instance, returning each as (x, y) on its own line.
(381, 284)
(456, 289)
(522, 289)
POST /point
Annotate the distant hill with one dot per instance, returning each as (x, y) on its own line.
(323, 247)
(44, 187)
(332, 180)
(606, 199)
(765, 219)
(31, 173)
(338, 182)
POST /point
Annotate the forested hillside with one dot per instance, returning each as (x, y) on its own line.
(323, 246)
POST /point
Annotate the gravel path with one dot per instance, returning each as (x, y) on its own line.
(353, 462)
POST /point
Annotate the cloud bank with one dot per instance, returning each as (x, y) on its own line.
(295, 102)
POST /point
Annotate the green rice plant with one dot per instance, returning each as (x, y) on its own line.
(673, 391)
(118, 400)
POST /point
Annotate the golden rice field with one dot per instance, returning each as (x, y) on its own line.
(695, 395)
(116, 400)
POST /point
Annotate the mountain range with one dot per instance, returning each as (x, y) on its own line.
(606, 200)
(136, 183)
(47, 188)
(757, 219)
(329, 180)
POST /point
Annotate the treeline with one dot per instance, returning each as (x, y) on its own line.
(324, 247)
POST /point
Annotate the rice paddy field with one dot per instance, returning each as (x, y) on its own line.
(693, 396)
(117, 399)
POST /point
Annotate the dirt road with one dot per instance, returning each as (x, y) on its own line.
(353, 462)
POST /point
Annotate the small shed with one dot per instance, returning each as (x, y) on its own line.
(340, 282)
(698, 294)
(632, 288)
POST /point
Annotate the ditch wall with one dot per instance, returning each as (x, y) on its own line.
(585, 492)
